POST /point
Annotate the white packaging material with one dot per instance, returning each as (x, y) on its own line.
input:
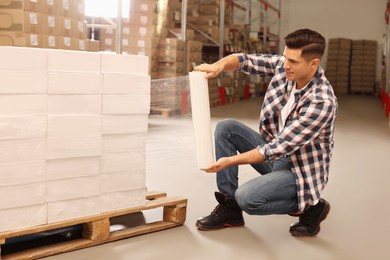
(122, 162)
(76, 188)
(23, 104)
(75, 104)
(23, 82)
(72, 167)
(22, 172)
(73, 61)
(22, 195)
(75, 83)
(124, 124)
(22, 127)
(131, 84)
(122, 181)
(22, 150)
(73, 209)
(200, 106)
(122, 200)
(23, 59)
(124, 143)
(71, 147)
(126, 104)
(69, 125)
(23, 217)
(112, 63)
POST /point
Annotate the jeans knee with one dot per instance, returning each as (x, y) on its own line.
(247, 203)
(222, 127)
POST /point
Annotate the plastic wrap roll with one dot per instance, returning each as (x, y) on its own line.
(200, 106)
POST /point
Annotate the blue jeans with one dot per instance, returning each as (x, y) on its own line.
(273, 192)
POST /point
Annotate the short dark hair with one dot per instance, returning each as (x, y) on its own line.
(311, 42)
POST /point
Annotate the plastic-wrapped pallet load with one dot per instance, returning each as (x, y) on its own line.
(201, 119)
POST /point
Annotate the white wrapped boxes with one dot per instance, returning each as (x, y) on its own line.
(73, 129)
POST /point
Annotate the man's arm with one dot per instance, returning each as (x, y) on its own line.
(250, 157)
(228, 63)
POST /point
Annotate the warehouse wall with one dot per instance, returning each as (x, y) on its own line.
(353, 19)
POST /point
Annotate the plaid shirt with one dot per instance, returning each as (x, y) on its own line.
(307, 137)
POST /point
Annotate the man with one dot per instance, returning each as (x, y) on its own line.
(293, 149)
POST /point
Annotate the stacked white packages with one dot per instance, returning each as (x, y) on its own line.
(73, 127)
(23, 126)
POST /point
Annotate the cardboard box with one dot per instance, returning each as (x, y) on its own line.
(124, 124)
(74, 146)
(20, 39)
(50, 6)
(92, 45)
(122, 162)
(122, 200)
(73, 61)
(79, 29)
(72, 167)
(76, 188)
(15, 218)
(81, 104)
(71, 125)
(23, 195)
(65, 8)
(123, 143)
(122, 181)
(124, 64)
(74, 83)
(17, 173)
(65, 43)
(144, 6)
(23, 105)
(126, 104)
(126, 84)
(23, 82)
(25, 5)
(13, 20)
(73, 209)
(49, 42)
(51, 25)
(22, 127)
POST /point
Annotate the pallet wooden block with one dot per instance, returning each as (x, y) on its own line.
(96, 229)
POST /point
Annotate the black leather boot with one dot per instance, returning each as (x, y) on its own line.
(226, 214)
(310, 220)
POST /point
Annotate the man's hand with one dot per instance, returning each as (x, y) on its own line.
(212, 70)
(250, 157)
(221, 164)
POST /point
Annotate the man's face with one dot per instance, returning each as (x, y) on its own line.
(296, 67)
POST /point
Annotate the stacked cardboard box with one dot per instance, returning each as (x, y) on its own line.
(43, 23)
(73, 134)
(338, 63)
(363, 66)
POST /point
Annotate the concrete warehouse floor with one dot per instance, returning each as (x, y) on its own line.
(357, 227)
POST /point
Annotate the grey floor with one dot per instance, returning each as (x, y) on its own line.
(358, 226)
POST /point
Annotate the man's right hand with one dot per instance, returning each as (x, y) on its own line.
(212, 70)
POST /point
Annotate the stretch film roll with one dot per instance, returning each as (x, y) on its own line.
(200, 107)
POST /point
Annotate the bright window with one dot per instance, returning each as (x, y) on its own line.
(108, 8)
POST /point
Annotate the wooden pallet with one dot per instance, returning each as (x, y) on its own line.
(96, 229)
(165, 112)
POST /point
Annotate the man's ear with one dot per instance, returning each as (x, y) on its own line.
(315, 62)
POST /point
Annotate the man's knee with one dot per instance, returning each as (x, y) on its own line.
(249, 204)
(223, 127)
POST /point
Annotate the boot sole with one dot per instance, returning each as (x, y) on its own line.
(225, 225)
(324, 214)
